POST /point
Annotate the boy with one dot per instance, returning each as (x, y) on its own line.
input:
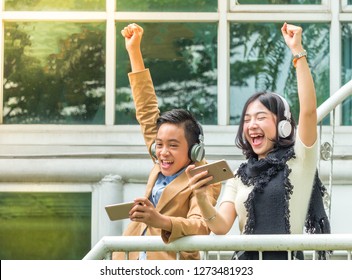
(174, 141)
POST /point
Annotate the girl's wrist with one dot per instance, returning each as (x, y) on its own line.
(297, 50)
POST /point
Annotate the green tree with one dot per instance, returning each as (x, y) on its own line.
(258, 51)
(183, 61)
(79, 71)
(68, 88)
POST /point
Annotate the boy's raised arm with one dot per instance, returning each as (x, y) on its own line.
(133, 36)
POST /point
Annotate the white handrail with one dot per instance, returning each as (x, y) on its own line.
(337, 98)
(206, 243)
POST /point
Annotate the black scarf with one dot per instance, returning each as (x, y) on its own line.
(268, 203)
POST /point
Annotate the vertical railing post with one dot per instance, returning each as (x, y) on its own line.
(108, 191)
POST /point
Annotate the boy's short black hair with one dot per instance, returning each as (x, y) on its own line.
(185, 119)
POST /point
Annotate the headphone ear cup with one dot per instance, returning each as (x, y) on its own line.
(153, 150)
(284, 128)
(197, 152)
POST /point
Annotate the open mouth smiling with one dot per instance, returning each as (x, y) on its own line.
(256, 139)
(166, 163)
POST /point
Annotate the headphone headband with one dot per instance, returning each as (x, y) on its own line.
(287, 112)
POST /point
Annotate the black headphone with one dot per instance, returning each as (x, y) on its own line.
(284, 127)
(195, 153)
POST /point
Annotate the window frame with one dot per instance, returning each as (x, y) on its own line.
(278, 8)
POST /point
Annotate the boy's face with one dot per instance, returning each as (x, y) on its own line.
(171, 148)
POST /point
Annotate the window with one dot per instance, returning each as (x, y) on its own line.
(261, 61)
(55, 77)
(49, 5)
(77, 72)
(182, 58)
(167, 5)
(347, 70)
(278, 2)
(34, 226)
(288, 6)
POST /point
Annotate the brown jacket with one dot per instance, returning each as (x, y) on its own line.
(177, 201)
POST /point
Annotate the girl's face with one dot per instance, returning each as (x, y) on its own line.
(171, 148)
(259, 128)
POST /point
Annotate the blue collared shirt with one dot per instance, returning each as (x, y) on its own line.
(160, 185)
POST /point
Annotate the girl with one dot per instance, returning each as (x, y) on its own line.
(271, 191)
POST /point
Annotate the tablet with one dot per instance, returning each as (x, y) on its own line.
(119, 211)
(220, 170)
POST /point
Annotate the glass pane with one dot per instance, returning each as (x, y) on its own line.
(261, 61)
(50, 5)
(278, 2)
(347, 70)
(182, 58)
(45, 226)
(167, 5)
(54, 73)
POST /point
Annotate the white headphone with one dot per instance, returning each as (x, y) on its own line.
(197, 152)
(284, 127)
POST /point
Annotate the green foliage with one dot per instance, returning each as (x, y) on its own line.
(50, 5)
(182, 59)
(45, 226)
(258, 53)
(167, 5)
(68, 88)
(279, 2)
(347, 70)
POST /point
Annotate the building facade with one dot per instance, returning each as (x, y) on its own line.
(69, 141)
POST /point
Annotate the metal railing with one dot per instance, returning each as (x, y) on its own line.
(334, 100)
(327, 148)
(222, 244)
